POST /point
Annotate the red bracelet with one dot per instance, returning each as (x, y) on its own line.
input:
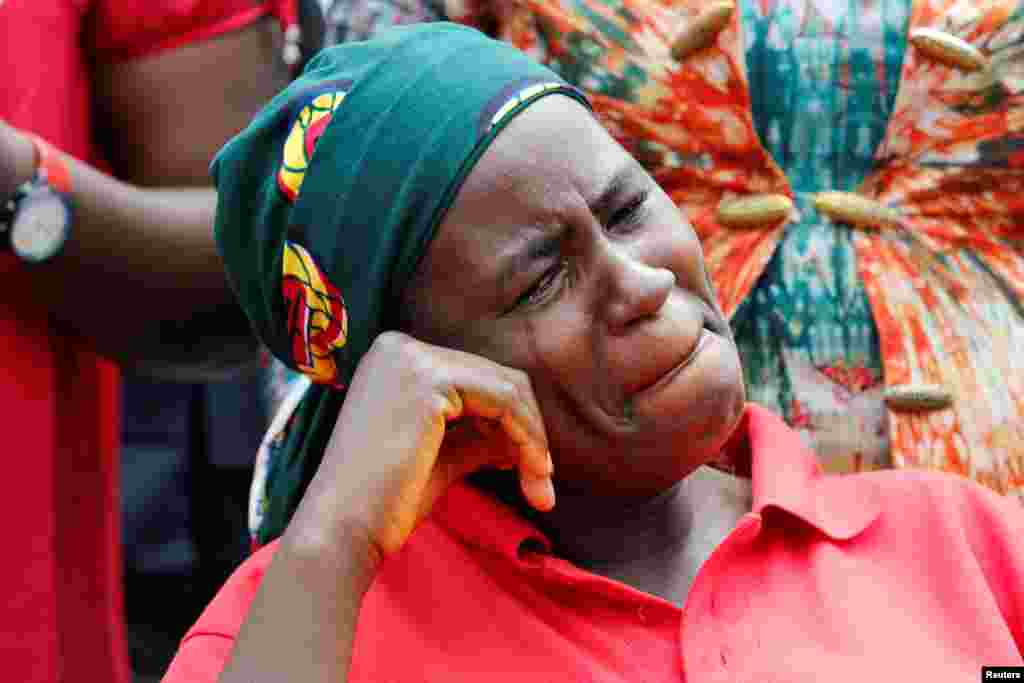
(51, 165)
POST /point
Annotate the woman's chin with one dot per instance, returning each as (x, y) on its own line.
(668, 446)
(667, 434)
(698, 408)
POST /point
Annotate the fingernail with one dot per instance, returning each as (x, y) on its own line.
(540, 493)
(549, 492)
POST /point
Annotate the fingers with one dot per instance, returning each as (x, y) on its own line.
(538, 491)
(505, 396)
(526, 429)
(474, 443)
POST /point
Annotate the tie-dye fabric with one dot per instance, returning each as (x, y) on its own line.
(808, 340)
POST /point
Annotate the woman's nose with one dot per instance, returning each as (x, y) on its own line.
(635, 291)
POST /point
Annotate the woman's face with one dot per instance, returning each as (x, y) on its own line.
(563, 258)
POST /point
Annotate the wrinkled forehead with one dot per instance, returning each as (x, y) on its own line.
(545, 164)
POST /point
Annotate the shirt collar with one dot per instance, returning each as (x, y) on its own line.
(785, 475)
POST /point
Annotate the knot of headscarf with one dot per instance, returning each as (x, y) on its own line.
(330, 197)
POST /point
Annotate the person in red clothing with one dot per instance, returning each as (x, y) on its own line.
(521, 305)
(96, 90)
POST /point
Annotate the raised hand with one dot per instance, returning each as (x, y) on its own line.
(416, 419)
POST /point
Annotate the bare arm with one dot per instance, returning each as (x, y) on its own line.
(302, 622)
(140, 278)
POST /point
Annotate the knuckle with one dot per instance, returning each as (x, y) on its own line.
(411, 358)
(509, 395)
(388, 345)
(437, 404)
(423, 370)
(521, 381)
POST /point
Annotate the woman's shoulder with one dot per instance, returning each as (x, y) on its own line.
(206, 647)
(931, 509)
(946, 491)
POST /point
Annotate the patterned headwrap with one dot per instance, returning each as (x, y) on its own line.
(330, 197)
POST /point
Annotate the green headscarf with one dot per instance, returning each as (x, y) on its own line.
(320, 247)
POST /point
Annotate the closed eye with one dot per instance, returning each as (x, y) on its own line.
(629, 215)
(545, 287)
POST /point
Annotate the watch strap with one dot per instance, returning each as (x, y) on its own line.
(50, 166)
(51, 182)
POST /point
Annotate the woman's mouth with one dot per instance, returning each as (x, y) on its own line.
(670, 374)
(642, 382)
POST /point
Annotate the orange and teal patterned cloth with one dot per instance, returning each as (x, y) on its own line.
(823, 80)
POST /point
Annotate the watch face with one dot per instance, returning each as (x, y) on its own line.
(40, 226)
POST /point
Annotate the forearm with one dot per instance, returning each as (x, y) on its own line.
(162, 238)
(302, 623)
(140, 264)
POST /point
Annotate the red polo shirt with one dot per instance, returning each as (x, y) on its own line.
(871, 577)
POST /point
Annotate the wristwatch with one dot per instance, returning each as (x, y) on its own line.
(36, 221)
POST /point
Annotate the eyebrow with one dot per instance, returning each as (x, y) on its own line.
(616, 186)
(546, 244)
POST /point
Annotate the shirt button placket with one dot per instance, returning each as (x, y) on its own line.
(704, 644)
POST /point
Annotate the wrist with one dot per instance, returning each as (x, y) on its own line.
(21, 159)
(340, 544)
(26, 159)
(49, 162)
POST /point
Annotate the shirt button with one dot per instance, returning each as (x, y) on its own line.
(531, 551)
(856, 210)
(948, 49)
(702, 30)
(754, 211)
(918, 397)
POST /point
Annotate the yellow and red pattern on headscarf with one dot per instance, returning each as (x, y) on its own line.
(298, 148)
(317, 321)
